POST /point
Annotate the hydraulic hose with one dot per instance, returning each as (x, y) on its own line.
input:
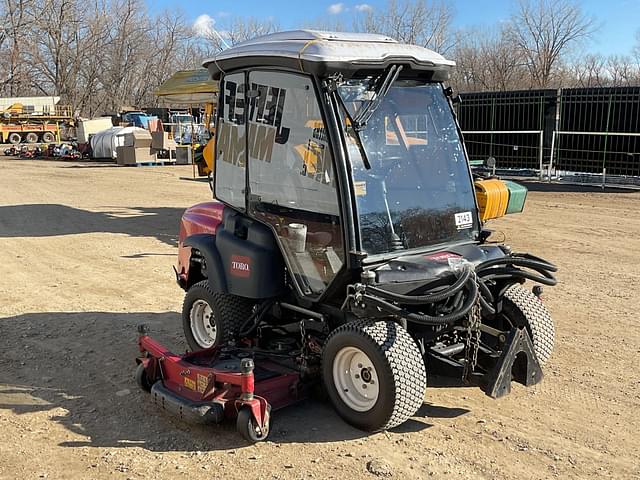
(461, 295)
(546, 278)
(429, 298)
(256, 317)
(520, 262)
(472, 292)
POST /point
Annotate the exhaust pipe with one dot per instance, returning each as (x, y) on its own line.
(201, 413)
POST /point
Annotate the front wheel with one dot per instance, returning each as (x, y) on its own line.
(523, 309)
(374, 374)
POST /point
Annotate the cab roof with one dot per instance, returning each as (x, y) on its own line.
(323, 53)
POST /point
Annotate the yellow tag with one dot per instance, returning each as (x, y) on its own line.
(361, 188)
(189, 383)
(202, 383)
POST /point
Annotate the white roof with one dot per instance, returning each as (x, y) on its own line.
(337, 49)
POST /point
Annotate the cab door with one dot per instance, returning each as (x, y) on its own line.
(292, 185)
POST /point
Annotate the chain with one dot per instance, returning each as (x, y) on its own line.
(304, 353)
(472, 340)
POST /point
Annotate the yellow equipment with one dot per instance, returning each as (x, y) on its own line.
(493, 198)
(194, 87)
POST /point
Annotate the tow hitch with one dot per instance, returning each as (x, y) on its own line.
(518, 362)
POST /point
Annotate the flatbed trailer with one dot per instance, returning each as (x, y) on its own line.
(18, 126)
(30, 133)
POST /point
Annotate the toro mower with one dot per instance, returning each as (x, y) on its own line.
(346, 248)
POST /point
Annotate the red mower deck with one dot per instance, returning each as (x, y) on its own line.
(210, 385)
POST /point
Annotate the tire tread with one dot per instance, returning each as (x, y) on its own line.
(404, 359)
(536, 316)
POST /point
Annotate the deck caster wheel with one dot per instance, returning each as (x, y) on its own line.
(248, 428)
(142, 379)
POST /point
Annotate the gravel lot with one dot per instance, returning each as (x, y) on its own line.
(87, 251)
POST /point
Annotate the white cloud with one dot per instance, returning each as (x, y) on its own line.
(336, 8)
(203, 26)
(364, 7)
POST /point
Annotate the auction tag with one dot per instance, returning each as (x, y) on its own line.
(464, 220)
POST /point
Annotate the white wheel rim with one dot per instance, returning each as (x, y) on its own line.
(355, 379)
(203, 326)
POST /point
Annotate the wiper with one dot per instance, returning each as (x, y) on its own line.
(364, 113)
(354, 131)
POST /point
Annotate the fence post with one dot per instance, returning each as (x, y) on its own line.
(541, 151)
(553, 143)
(606, 141)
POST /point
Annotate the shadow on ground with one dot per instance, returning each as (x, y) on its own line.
(559, 187)
(80, 369)
(45, 220)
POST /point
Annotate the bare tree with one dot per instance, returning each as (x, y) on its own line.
(14, 24)
(544, 30)
(425, 23)
(622, 71)
(236, 30)
(589, 71)
(486, 60)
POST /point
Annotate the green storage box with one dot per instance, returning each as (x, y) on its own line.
(517, 197)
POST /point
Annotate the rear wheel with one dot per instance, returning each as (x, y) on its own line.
(14, 138)
(31, 137)
(48, 137)
(374, 374)
(210, 318)
(523, 309)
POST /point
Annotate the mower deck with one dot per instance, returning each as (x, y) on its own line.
(210, 385)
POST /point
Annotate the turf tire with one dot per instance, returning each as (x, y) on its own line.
(401, 372)
(229, 311)
(524, 309)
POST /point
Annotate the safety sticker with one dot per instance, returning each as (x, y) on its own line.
(189, 383)
(464, 220)
(202, 383)
(360, 188)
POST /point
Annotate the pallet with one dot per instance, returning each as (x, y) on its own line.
(150, 164)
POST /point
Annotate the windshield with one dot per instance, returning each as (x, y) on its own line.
(418, 191)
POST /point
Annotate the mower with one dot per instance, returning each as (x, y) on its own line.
(346, 248)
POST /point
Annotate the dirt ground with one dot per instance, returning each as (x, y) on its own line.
(86, 253)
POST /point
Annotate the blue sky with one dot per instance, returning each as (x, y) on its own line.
(618, 19)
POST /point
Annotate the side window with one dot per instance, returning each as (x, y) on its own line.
(291, 175)
(230, 142)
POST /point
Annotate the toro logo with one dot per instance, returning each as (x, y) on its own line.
(240, 266)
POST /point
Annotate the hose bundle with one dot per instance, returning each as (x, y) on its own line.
(469, 285)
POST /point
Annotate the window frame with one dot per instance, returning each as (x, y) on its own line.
(219, 115)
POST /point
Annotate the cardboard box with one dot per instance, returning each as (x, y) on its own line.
(138, 138)
(162, 141)
(86, 128)
(133, 155)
